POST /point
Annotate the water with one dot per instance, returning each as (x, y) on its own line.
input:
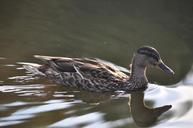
(110, 30)
(29, 101)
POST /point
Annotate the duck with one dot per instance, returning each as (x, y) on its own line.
(98, 75)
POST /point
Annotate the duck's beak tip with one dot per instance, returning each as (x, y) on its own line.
(166, 69)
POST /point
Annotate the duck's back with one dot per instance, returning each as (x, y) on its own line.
(82, 72)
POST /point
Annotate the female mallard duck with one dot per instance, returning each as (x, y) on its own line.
(98, 75)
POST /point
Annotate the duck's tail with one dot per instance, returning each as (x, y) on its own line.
(32, 68)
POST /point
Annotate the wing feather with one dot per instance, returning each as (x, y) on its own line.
(87, 67)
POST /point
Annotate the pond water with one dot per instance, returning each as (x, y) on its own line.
(110, 30)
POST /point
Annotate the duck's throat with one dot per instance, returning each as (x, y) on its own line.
(138, 72)
(138, 76)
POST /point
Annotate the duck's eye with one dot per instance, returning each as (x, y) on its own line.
(154, 57)
(150, 54)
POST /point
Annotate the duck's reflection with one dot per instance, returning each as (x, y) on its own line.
(142, 114)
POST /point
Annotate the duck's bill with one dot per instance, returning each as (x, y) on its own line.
(166, 69)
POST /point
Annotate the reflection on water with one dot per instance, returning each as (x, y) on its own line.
(40, 105)
(143, 115)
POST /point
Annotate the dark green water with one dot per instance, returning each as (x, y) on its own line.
(111, 30)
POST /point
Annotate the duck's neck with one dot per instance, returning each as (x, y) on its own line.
(138, 74)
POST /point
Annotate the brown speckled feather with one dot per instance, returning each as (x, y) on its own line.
(88, 68)
(90, 74)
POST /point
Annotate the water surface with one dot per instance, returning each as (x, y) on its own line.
(27, 100)
(110, 30)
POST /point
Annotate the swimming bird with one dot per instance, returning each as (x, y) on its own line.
(98, 75)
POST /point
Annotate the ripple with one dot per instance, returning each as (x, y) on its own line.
(45, 108)
(188, 80)
(2, 58)
(15, 104)
(23, 90)
(76, 121)
(8, 123)
(10, 65)
(181, 99)
(31, 111)
(16, 117)
(23, 79)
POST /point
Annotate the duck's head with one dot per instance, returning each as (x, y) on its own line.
(149, 56)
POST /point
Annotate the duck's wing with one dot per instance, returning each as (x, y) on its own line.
(116, 67)
(86, 67)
